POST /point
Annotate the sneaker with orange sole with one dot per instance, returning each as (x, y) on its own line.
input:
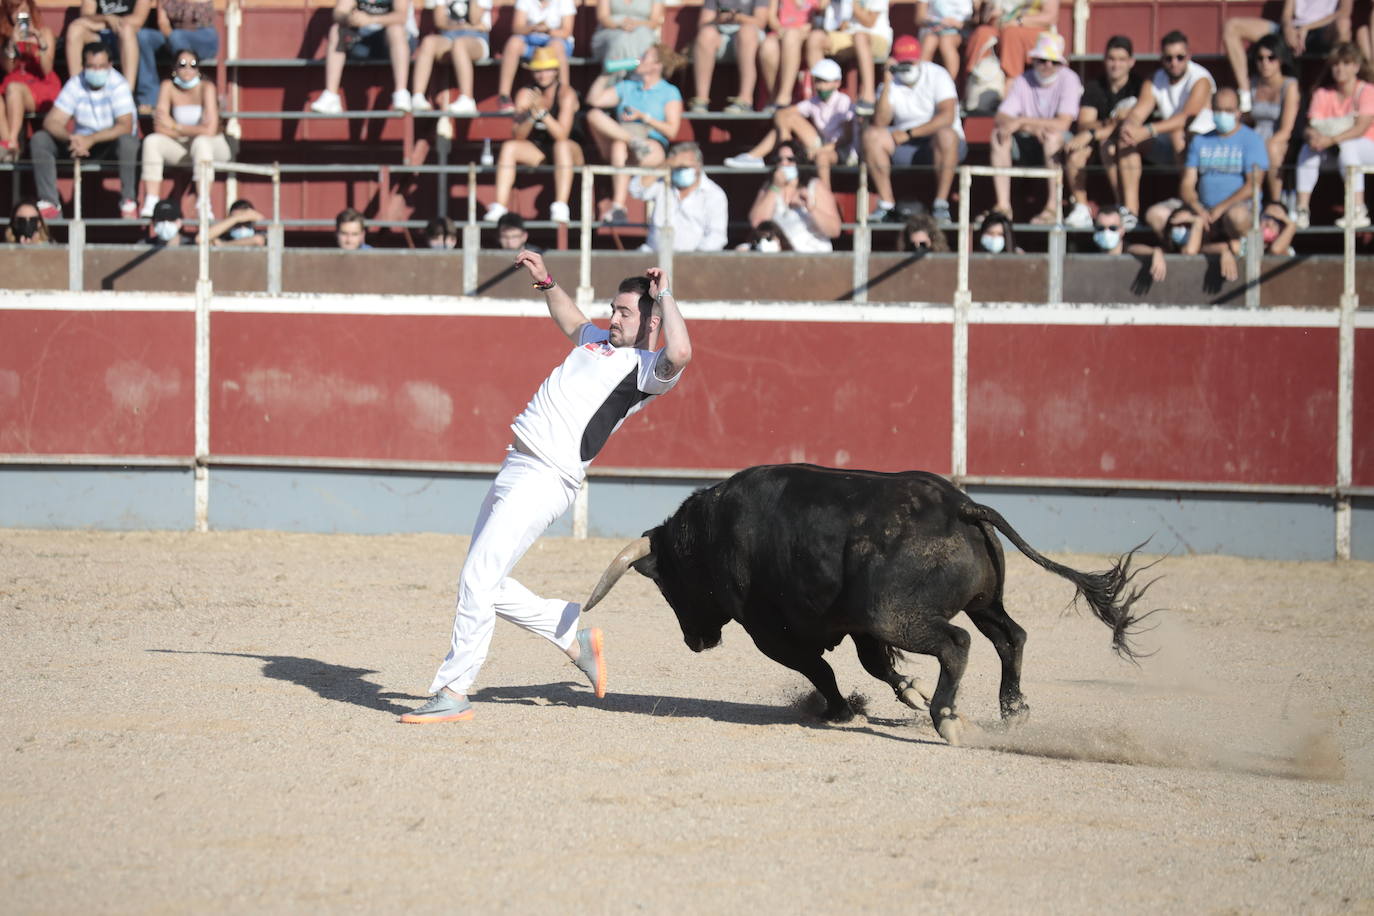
(592, 658)
(440, 708)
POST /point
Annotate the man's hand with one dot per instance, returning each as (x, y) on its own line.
(534, 263)
(248, 215)
(79, 145)
(658, 280)
(1158, 270)
(1229, 271)
(1079, 141)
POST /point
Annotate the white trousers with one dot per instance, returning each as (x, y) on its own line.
(1359, 151)
(525, 498)
(160, 148)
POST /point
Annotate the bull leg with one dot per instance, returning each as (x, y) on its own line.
(874, 656)
(1008, 639)
(809, 663)
(949, 644)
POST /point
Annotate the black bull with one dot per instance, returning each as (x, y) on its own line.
(803, 556)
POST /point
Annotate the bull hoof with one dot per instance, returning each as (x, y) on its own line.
(951, 728)
(839, 714)
(1016, 714)
(914, 693)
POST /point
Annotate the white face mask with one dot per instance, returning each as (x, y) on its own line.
(241, 232)
(789, 173)
(993, 243)
(165, 230)
(1048, 79)
(768, 245)
(908, 75)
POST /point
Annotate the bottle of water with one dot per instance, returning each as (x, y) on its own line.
(487, 158)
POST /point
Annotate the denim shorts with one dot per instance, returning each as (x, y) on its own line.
(483, 37)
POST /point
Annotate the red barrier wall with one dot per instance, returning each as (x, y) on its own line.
(1362, 463)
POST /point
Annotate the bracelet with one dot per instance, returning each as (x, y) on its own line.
(544, 285)
(1153, 132)
(661, 294)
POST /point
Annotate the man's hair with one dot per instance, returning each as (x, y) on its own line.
(242, 203)
(646, 302)
(440, 227)
(1122, 42)
(349, 215)
(687, 146)
(510, 221)
(1225, 89)
(1275, 45)
(94, 47)
(1173, 38)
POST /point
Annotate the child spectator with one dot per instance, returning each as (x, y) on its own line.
(860, 27)
(545, 119)
(1277, 230)
(185, 125)
(789, 23)
(1305, 26)
(942, 26)
(822, 125)
(26, 225)
(350, 230)
(30, 85)
(1107, 101)
(512, 235)
(464, 35)
(729, 29)
(1033, 124)
(921, 235)
(441, 234)
(995, 234)
(804, 211)
(538, 24)
(1181, 97)
(112, 22)
(1340, 125)
(164, 225)
(237, 230)
(1010, 29)
(182, 25)
(695, 205)
(625, 29)
(1274, 106)
(362, 30)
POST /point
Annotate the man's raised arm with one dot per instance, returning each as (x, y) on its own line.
(677, 346)
(564, 311)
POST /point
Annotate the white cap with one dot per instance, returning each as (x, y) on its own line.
(826, 69)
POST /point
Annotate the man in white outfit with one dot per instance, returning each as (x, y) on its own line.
(609, 375)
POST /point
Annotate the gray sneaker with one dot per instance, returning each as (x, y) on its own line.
(592, 660)
(440, 708)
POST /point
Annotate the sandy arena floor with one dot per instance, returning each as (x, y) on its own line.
(208, 723)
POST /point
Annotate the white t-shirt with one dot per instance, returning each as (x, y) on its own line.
(585, 399)
(95, 110)
(913, 106)
(799, 226)
(550, 14)
(1170, 97)
(458, 11)
(839, 17)
(940, 10)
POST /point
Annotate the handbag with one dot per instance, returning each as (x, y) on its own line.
(987, 84)
(1334, 127)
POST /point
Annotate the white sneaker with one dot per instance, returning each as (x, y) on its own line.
(444, 128)
(559, 212)
(400, 100)
(744, 161)
(1245, 101)
(149, 202)
(419, 103)
(1359, 219)
(494, 212)
(1302, 218)
(327, 103)
(1080, 217)
(463, 105)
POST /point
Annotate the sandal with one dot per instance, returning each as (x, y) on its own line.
(1046, 217)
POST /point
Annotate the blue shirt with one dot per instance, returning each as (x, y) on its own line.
(652, 102)
(1223, 163)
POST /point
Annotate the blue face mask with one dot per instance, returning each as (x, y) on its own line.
(191, 83)
(993, 243)
(96, 79)
(1225, 121)
(1107, 238)
(789, 173)
(683, 177)
(1179, 234)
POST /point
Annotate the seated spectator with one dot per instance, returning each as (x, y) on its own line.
(996, 235)
(1305, 26)
(1277, 230)
(648, 113)
(30, 85)
(780, 55)
(1010, 29)
(943, 24)
(766, 238)
(545, 130)
(805, 211)
(464, 35)
(822, 125)
(538, 24)
(1340, 125)
(625, 29)
(185, 125)
(1180, 97)
(1033, 124)
(858, 28)
(164, 226)
(728, 30)
(26, 225)
(182, 25)
(512, 235)
(114, 23)
(364, 30)
(1109, 237)
(1274, 105)
(237, 230)
(695, 206)
(921, 235)
(441, 233)
(1107, 100)
(350, 230)
(916, 122)
(101, 104)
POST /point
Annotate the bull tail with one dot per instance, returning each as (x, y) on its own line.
(1111, 593)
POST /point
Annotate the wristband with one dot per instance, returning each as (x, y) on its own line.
(1153, 132)
(544, 285)
(661, 294)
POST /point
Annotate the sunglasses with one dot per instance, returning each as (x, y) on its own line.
(1265, 57)
(1107, 226)
(1172, 57)
(786, 159)
(182, 64)
(1041, 60)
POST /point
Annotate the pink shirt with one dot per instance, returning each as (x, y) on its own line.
(1328, 102)
(1028, 99)
(829, 117)
(1305, 11)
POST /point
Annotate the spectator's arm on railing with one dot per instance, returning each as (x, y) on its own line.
(1158, 267)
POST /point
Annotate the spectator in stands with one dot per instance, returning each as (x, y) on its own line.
(695, 205)
(1305, 26)
(1032, 126)
(1010, 29)
(1180, 97)
(441, 233)
(1277, 230)
(916, 123)
(780, 56)
(995, 234)
(648, 114)
(625, 29)
(546, 129)
(1274, 105)
(185, 125)
(26, 225)
(164, 226)
(804, 210)
(182, 25)
(363, 30)
(100, 102)
(512, 235)
(766, 239)
(822, 125)
(733, 30)
(237, 229)
(860, 28)
(350, 230)
(1109, 237)
(1340, 125)
(30, 85)
(113, 22)
(921, 235)
(464, 35)
(537, 24)
(1107, 100)
(943, 24)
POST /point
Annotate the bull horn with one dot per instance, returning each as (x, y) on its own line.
(636, 550)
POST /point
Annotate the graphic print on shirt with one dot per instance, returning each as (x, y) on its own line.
(615, 408)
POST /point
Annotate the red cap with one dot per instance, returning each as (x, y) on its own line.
(906, 49)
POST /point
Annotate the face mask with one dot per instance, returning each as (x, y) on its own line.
(96, 79)
(1107, 238)
(824, 94)
(1179, 234)
(907, 75)
(165, 230)
(1269, 231)
(993, 243)
(789, 173)
(1047, 79)
(26, 227)
(683, 177)
(768, 245)
(1225, 121)
(241, 232)
(191, 83)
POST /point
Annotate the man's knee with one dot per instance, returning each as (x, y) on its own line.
(42, 143)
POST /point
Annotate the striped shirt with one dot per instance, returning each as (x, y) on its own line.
(95, 110)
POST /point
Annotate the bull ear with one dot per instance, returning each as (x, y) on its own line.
(647, 567)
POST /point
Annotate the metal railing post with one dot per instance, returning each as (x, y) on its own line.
(863, 239)
(584, 244)
(1254, 251)
(1345, 374)
(204, 290)
(472, 236)
(667, 235)
(276, 235)
(76, 236)
(963, 301)
(1054, 293)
